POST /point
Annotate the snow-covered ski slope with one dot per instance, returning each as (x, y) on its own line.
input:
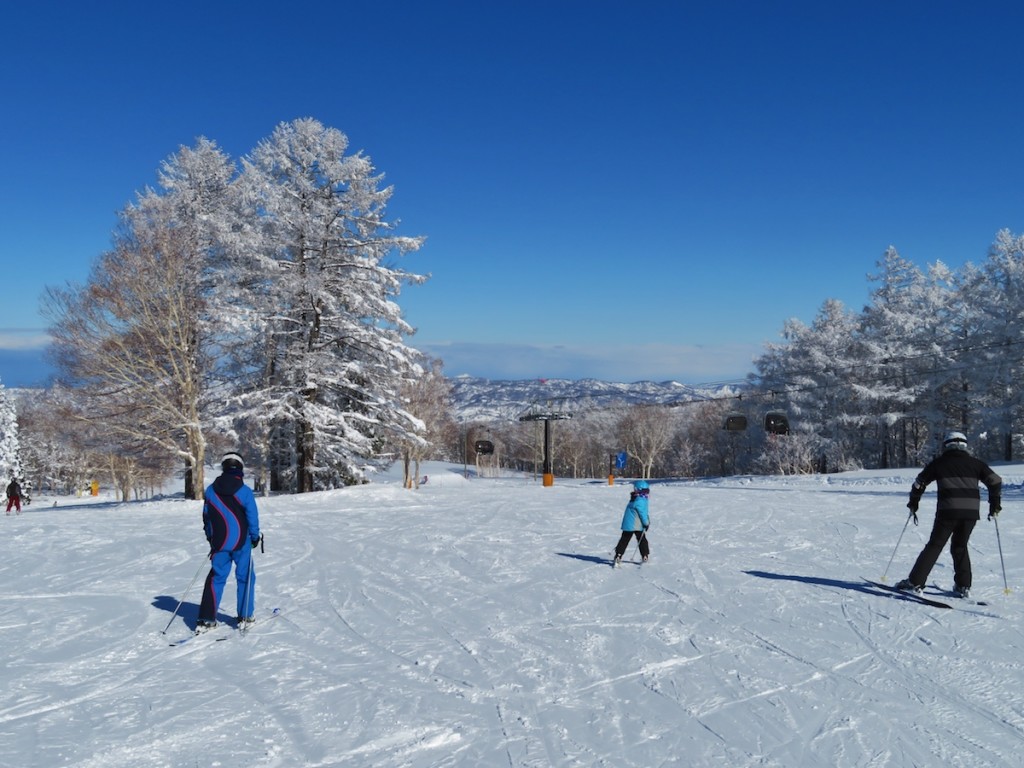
(476, 622)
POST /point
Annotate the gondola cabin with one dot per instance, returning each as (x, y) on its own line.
(776, 423)
(735, 422)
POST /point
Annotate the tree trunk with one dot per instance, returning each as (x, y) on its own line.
(304, 455)
(195, 481)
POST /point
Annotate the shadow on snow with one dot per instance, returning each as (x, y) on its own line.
(817, 581)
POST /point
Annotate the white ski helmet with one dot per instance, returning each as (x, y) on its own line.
(955, 440)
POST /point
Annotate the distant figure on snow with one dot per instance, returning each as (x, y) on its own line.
(232, 526)
(13, 496)
(635, 522)
(957, 510)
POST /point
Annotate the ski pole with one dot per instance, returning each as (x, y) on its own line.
(999, 543)
(187, 590)
(897, 546)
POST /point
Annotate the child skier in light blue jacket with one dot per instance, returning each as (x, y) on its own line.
(635, 522)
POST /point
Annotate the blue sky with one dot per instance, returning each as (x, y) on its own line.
(620, 190)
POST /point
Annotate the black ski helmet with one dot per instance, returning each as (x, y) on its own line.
(955, 440)
(231, 461)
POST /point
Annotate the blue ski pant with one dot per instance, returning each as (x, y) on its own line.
(245, 583)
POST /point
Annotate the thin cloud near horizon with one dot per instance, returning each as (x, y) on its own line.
(23, 339)
(685, 363)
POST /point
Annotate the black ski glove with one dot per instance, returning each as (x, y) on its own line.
(255, 543)
(993, 510)
(912, 506)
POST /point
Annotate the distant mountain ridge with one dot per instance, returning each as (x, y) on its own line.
(479, 399)
(490, 399)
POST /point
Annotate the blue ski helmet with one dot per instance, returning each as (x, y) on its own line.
(640, 485)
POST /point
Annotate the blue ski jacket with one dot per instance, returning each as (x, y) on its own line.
(230, 517)
(636, 516)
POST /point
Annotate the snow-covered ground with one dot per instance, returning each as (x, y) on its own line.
(476, 622)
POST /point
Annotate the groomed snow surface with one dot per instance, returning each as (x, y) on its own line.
(477, 622)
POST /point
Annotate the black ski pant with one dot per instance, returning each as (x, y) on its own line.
(641, 536)
(942, 531)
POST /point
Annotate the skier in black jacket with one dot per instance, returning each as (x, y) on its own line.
(957, 510)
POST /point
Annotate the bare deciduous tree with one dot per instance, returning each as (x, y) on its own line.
(646, 433)
(130, 342)
(427, 398)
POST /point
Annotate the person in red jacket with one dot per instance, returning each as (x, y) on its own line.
(232, 526)
(958, 476)
(14, 496)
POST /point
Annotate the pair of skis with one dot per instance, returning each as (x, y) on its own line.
(214, 634)
(925, 599)
(619, 563)
(211, 634)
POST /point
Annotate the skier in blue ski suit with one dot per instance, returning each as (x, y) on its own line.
(232, 526)
(635, 522)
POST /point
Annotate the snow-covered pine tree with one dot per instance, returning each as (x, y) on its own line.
(898, 331)
(812, 375)
(54, 449)
(956, 380)
(996, 354)
(10, 453)
(329, 360)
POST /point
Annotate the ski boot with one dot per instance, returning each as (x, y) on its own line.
(908, 586)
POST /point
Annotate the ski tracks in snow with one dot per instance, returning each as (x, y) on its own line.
(931, 669)
(428, 630)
